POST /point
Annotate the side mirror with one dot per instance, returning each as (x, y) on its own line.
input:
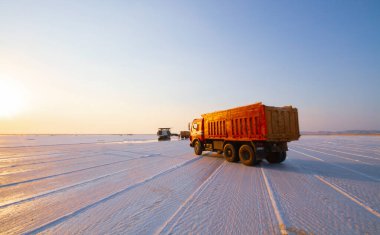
(188, 126)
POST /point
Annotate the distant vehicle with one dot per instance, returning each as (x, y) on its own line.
(249, 133)
(184, 134)
(163, 133)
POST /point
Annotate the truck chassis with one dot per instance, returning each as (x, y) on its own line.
(250, 133)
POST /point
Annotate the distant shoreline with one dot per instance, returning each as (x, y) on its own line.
(345, 134)
(302, 134)
(76, 134)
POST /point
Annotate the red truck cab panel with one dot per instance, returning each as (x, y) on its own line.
(197, 130)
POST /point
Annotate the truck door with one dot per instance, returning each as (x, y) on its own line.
(196, 129)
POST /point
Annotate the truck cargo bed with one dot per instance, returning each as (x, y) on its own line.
(281, 123)
(255, 122)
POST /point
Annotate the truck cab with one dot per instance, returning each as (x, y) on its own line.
(196, 131)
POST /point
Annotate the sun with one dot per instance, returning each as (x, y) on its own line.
(12, 99)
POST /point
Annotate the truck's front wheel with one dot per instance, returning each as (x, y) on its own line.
(229, 153)
(247, 155)
(198, 148)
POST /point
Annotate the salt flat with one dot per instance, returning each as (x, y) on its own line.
(118, 184)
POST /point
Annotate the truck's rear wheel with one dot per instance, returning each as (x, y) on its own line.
(198, 148)
(247, 155)
(282, 156)
(276, 157)
(229, 153)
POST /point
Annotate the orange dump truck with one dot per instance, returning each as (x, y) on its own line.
(248, 133)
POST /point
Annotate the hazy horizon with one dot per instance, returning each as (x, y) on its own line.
(173, 131)
(96, 67)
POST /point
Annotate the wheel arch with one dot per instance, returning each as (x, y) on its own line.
(195, 140)
(238, 144)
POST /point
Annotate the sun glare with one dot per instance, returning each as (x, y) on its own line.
(12, 99)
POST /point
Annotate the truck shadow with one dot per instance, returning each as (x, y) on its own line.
(342, 170)
(212, 154)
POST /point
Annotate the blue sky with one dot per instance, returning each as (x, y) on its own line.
(132, 66)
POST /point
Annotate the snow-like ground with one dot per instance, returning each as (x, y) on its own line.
(136, 185)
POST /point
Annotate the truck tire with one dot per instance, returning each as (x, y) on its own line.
(282, 156)
(198, 148)
(276, 157)
(247, 155)
(229, 153)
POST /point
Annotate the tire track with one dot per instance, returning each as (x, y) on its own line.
(55, 151)
(364, 191)
(111, 196)
(310, 207)
(37, 168)
(79, 144)
(84, 155)
(348, 169)
(53, 154)
(226, 204)
(352, 198)
(358, 150)
(132, 213)
(353, 154)
(280, 221)
(56, 160)
(54, 145)
(66, 173)
(171, 222)
(334, 155)
(65, 188)
(357, 147)
(35, 155)
(344, 148)
(307, 155)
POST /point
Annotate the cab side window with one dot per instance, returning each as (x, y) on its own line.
(195, 126)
